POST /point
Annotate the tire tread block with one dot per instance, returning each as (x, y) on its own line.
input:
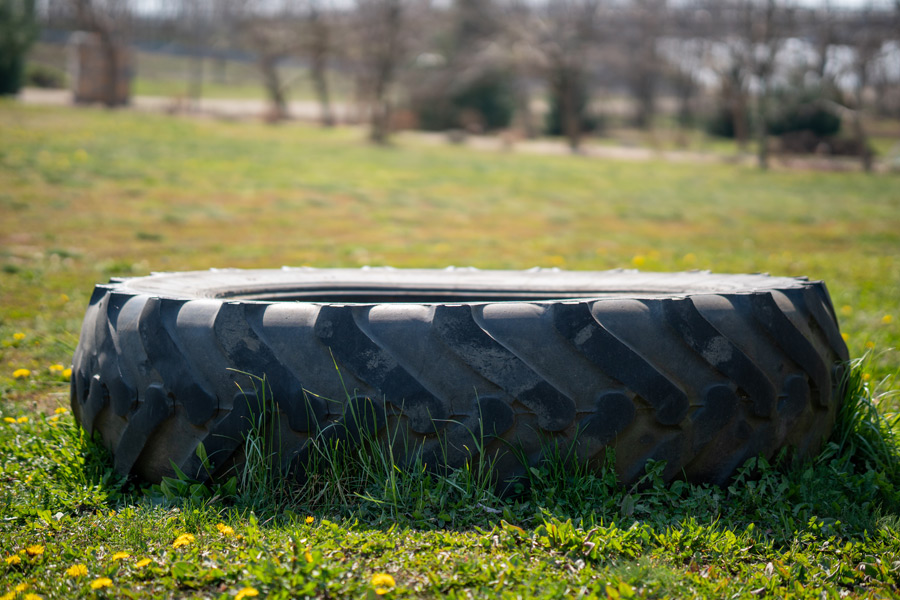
(170, 362)
(153, 411)
(356, 351)
(457, 328)
(620, 362)
(720, 352)
(786, 335)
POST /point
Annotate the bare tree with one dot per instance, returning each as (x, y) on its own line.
(383, 35)
(192, 24)
(823, 24)
(765, 24)
(280, 30)
(754, 33)
(643, 69)
(320, 29)
(685, 50)
(867, 45)
(683, 67)
(110, 20)
(224, 33)
(200, 20)
(563, 35)
(495, 37)
(270, 33)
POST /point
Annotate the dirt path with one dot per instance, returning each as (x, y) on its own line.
(305, 110)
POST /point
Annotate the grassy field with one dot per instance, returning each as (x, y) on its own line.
(89, 194)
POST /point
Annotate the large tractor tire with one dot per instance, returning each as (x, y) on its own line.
(700, 370)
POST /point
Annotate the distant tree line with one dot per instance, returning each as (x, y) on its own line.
(747, 69)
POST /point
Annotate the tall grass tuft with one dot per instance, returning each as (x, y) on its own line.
(385, 476)
(262, 481)
(863, 433)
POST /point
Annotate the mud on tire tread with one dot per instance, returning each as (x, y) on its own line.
(701, 370)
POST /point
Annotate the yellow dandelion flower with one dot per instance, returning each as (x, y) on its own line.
(308, 557)
(18, 336)
(32, 597)
(22, 420)
(846, 310)
(9, 419)
(556, 260)
(67, 373)
(845, 335)
(183, 540)
(886, 319)
(35, 550)
(76, 571)
(21, 587)
(870, 344)
(120, 556)
(142, 563)
(100, 583)
(383, 583)
(224, 529)
(21, 373)
(638, 261)
(13, 560)
(63, 298)
(61, 410)
(8, 596)
(866, 377)
(310, 520)
(247, 592)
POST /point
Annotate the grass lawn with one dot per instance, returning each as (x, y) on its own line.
(89, 194)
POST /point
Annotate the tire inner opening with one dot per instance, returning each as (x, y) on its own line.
(415, 296)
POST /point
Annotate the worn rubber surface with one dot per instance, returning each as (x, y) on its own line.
(701, 370)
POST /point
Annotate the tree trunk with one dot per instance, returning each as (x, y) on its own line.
(685, 92)
(568, 109)
(318, 67)
(381, 118)
(274, 89)
(859, 130)
(195, 78)
(381, 108)
(524, 118)
(646, 111)
(320, 81)
(739, 118)
(642, 88)
(762, 126)
(385, 65)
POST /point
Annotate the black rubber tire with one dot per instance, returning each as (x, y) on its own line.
(701, 370)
